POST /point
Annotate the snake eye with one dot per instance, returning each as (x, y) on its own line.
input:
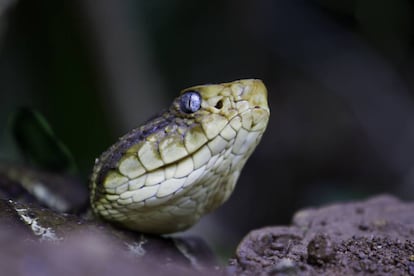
(190, 102)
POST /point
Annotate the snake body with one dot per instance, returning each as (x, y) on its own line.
(163, 176)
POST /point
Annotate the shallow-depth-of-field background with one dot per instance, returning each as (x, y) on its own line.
(339, 75)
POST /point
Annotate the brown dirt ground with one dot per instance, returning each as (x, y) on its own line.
(374, 237)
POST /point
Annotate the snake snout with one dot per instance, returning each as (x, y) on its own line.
(255, 93)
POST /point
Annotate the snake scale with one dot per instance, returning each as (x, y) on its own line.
(163, 176)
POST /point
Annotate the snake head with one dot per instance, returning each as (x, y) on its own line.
(163, 176)
(215, 103)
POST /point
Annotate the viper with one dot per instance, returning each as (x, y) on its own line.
(163, 176)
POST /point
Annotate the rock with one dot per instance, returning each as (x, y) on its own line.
(375, 237)
(44, 239)
(39, 241)
(321, 250)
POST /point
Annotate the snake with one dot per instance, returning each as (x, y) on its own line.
(164, 175)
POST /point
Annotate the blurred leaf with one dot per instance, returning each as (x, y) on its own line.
(38, 143)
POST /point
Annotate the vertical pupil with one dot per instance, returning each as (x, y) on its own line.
(190, 102)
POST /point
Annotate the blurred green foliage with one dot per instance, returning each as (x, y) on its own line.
(38, 143)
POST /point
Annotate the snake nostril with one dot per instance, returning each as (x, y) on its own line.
(219, 104)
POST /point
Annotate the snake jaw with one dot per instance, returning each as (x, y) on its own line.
(162, 177)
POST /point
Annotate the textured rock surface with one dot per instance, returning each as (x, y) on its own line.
(38, 238)
(38, 241)
(371, 237)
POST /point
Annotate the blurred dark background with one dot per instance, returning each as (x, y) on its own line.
(339, 74)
